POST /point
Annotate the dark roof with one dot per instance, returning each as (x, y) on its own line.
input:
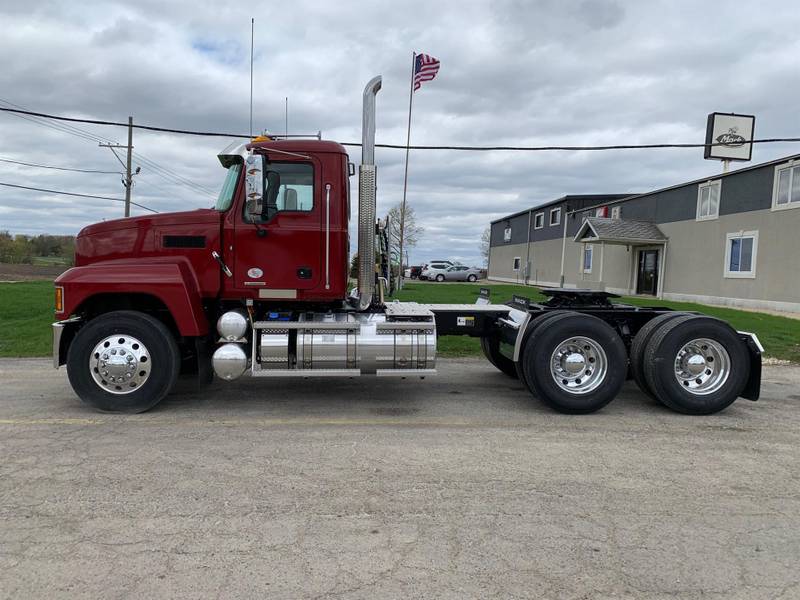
(596, 198)
(769, 163)
(619, 198)
(620, 231)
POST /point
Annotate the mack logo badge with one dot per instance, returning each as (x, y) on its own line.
(731, 139)
(254, 273)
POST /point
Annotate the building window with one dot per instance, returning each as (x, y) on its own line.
(555, 216)
(741, 249)
(786, 190)
(517, 260)
(616, 212)
(708, 200)
(538, 220)
(588, 255)
(507, 234)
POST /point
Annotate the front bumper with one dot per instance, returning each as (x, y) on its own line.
(58, 331)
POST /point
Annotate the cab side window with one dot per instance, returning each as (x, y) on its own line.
(288, 187)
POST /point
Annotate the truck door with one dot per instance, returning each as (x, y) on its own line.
(280, 250)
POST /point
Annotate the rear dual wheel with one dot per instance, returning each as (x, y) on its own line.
(695, 364)
(575, 363)
(491, 349)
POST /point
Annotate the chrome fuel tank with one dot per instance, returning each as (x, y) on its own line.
(346, 344)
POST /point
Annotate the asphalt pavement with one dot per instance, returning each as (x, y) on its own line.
(458, 486)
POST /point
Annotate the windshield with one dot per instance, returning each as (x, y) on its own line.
(228, 188)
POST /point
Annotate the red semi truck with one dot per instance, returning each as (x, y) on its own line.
(259, 283)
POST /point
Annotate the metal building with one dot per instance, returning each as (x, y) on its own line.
(731, 239)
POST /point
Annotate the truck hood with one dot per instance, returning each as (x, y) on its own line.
(188, 217)
(192, 234)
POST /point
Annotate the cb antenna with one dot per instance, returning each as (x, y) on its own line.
(252, 36)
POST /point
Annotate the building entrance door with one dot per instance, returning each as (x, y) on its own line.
(647, 280)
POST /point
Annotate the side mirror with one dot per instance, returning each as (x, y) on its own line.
(254, 184)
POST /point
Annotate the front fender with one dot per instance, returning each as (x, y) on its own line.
(173, 283)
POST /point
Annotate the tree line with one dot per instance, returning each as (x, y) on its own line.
(24, 249)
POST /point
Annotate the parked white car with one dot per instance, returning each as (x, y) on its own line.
(452, 273)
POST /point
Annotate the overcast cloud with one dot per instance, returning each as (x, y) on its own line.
(513, 72)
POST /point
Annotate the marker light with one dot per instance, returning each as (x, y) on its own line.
(59, 299)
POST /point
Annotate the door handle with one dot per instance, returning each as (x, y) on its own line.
(215, 255)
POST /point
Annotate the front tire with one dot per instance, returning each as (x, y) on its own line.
(123, 361)
(440, 278)
(472, 278)
(696, 365)
(576, 364)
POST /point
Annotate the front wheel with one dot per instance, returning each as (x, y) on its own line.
(576, 364)
(472, 278)
(440, 278)
(123, 361)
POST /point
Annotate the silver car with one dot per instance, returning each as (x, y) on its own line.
(453, 273)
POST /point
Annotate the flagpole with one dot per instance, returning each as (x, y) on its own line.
(405, 175)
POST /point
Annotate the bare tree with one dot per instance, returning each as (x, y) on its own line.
(404, 233)
(486, 237)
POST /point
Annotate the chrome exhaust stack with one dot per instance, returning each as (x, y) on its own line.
(367, 198)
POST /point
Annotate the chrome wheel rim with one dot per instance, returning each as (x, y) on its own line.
(578, 365)
(702, 366)
(120, 364)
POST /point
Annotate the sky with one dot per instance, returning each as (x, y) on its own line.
(513, 72)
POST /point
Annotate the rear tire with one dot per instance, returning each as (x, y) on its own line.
(491, 349)
(576, 364)
(532, 326)
(639, 345)
(696, 365)
(123, 361)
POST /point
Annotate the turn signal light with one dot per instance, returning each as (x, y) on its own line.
(59, 299)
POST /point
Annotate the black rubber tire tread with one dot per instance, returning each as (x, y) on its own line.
(532, 326)
(491, 348)
(440, 276)
(543, 341)
(486, 352)
(663, 347)
(159, 342)
(472, 278)
(639, 344)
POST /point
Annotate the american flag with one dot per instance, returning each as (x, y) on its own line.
(425, 68)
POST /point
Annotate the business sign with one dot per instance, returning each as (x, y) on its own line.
(729, 136)
(507, 234)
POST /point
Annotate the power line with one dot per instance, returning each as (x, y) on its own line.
(27, 164)
(82, 133)
(416, 147)
(70, 129)
(36, 189)
(165, 173)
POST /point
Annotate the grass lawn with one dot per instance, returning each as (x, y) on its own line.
(26, 312)
(779, 335)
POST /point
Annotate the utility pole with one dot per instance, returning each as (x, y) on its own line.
(128, 180)
(128, 176)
